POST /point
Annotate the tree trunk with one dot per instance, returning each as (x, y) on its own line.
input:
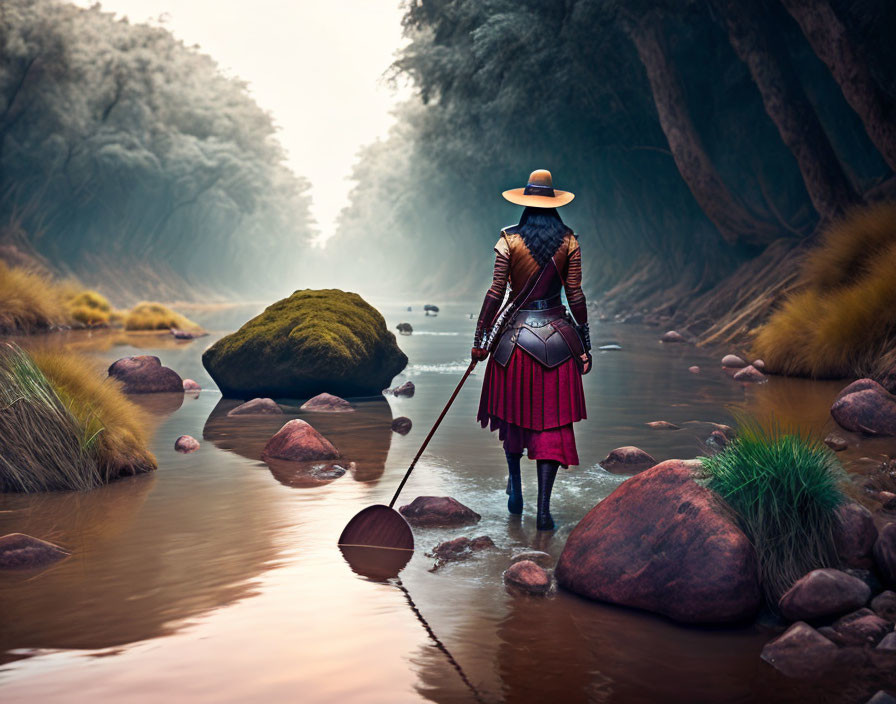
(723, 208)
(789, 108)
(828, 38)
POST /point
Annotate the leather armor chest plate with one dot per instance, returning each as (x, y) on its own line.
(541, 333)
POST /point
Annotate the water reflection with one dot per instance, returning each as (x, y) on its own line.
(363, 437)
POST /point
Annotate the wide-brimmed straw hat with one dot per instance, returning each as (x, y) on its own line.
(539, 192)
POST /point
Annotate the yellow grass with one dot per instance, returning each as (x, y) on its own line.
(154, 316)
(90, 309)
(842, 322)
(29, 301)
(101, 410)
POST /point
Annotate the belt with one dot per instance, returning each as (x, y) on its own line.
(543, 303)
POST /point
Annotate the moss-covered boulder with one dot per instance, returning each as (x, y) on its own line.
(312, 342)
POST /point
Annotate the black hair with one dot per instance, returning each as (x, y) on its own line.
(542, 231)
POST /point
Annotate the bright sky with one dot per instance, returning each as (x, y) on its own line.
(315, 65)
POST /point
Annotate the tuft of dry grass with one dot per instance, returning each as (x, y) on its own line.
(149, 315)
(842, 321)
(29, 301)
(89, 308)
(63, 426)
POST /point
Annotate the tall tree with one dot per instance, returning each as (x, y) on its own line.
(830, 41)
(732, 218)
(758, 45)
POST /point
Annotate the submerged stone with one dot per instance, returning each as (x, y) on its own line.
(800, 652)
(297, 441)
(438, 511)
(256, 407)
(527, 576)
(21, 552)
(672, 336)
(327, 403)
(402, 425)
(311, 342)
(663, 425)
(627, 460)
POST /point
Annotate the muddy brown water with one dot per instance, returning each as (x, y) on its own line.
(217, 578)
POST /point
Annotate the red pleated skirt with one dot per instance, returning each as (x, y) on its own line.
(533, 407)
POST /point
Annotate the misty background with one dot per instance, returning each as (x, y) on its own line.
(224, 152)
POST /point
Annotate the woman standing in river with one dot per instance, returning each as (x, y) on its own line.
(532, 392)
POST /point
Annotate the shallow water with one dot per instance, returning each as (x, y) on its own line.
(218, 579)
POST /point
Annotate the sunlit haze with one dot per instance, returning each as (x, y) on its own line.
(316, 65)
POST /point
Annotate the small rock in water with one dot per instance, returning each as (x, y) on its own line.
(297, 441)
(187, 334)
(888, 643)
(627, 460)
(854, 534)
(186, 444)
(255, 407)
(862, 627)
(662, 425)
(539, 557)
(884, 605)
(438, 511)
(866, 407)
(406, 389)
(800, 651)
(404, 328)
(759, 364)
(733, 361)
(694, 369)
(672, 336)
(21, 552)
(887, 500)
(835, 442)
(822, 593)
(750, 374)
(327, 403)
(609, 348)
(527, 576)
(885, 554)
(458, 549)
(402, 425)
(144, 374)
(190, 385)
(717, 440)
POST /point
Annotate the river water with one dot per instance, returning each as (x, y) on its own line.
(218, 579)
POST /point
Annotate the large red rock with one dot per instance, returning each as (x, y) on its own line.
(885, 554)
(327, 403)
(145, 374)
(800, 651)
(866, 407)
(21, 552)
(297, 441)
(627, 460)
(822, 593)
(438, 511)
(854, 535)
(660, 542)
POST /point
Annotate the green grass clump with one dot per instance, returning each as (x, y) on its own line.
(154, 316)
(842, 320)
(784, 489)
(62, 426)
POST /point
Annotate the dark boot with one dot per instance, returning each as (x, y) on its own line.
(514, 483)
(547, 472)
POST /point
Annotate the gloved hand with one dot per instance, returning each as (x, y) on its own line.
(586, 363)
(478, 353)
